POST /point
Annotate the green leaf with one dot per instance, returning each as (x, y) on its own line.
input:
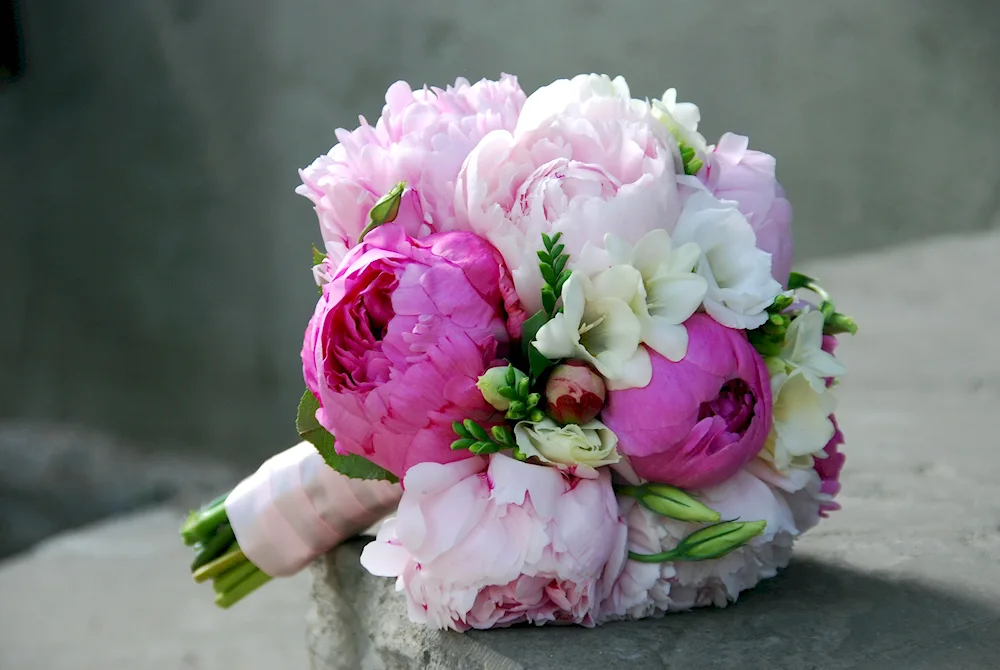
(537, 362)
(318, 256)
(530, 329)
(351, 465)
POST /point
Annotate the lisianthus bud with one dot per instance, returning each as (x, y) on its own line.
(574, 393)
(708, 543)
(579, 450)
(671, 502)
(492, 381)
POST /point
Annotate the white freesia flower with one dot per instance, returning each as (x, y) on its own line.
(667, 291)
(599, 328)
(803, 351)
(802, 425)
(577, 449)
(740, 285)
(681, 119)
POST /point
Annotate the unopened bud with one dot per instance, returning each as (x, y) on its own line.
(674, 503)
(717, 540)
(574, 393)
(492, 381)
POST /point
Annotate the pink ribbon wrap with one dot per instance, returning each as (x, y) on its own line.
(296, 508)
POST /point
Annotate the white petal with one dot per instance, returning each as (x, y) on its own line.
(666, 338)
(618, 281)
(558, 338)
(636, 372)
(652, 252)
(675, 298)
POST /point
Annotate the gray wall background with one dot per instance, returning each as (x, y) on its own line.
(155, 261)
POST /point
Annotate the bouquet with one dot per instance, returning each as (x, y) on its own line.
(559, 339)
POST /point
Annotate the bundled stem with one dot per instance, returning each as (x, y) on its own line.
(219, 557)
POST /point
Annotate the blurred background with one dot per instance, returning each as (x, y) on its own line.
(154, 260)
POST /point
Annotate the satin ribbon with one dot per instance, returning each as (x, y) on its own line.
(296, 508)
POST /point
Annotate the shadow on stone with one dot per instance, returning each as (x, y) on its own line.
(814, 615)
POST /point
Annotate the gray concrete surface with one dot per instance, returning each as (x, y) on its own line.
(906, 575)
(118, 596)
(153, 255)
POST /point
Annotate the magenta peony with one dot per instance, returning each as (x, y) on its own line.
(398, 340)
(733, 172)
(699, 420)
(422, 138)
(485, 546)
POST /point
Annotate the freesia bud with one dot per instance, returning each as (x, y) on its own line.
(574, 393)
(493, 381)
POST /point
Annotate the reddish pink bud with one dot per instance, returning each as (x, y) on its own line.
(574, 393)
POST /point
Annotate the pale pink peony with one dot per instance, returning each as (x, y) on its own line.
(398, 340)
(733, 172)
(485, 546)
(585, 159)
(421, 138)
(700, 420)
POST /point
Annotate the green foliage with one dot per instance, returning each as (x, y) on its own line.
(478, 440)
(351, 465)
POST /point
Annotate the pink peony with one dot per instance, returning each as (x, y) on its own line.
(585, 159)
(735, 173)
(829, 469)
(699, 420)
(422, 138)
(398, 340)
(485, 546)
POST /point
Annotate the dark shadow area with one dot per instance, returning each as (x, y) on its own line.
(814, 615)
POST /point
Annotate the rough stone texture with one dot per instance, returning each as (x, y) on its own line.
(906, 575)
(153, 255)
(118, 596)
(54, 478)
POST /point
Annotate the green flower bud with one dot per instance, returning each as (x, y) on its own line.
(674, 503)
(385, 210)
(717, 540)
(492, 381)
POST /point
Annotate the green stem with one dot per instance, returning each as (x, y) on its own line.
(203, 524)
(661, 557)
(215, 547)
(227, 580)
(229, 560)
(241, 590)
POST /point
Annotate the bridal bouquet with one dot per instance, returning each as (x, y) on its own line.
(558, 336)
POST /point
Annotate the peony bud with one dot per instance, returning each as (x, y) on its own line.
(574, 393)
(492, 381)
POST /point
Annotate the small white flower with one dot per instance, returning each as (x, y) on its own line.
(681, 119)
(740, 285)
(599, 328)
(668, 291)
(578, 449)
(802, 425)
(803, 351)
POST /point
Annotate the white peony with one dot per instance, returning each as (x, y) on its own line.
(740, 285)
(599, 328)
(577, 449)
